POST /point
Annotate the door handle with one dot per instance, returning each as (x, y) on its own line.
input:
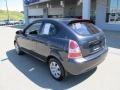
(33, 40)
(47, 43)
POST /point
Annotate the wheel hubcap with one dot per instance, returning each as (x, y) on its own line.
(55, 69)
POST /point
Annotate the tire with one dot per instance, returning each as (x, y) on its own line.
(17, 48)
(56, 69)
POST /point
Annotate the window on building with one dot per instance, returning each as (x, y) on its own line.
(113, 12)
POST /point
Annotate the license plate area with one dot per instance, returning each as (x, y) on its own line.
(95, 48)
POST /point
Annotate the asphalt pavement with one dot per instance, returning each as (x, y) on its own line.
(27, 73)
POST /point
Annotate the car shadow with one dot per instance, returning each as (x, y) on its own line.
(38, 72)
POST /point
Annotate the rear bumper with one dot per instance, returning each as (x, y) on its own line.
(79, 66)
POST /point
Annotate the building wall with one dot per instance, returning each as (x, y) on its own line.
(55, 11)
(72, 8)
(55, 8)
(35, 12)
(93, 6)
(26, 14)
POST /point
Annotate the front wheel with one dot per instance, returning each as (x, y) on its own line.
(56, 69)
(17, 48)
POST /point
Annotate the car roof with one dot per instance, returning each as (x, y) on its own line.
(65, 20)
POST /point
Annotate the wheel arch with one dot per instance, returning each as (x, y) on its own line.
(54, 54)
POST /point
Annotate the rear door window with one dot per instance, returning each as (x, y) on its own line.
(49, 29)
(84, 28)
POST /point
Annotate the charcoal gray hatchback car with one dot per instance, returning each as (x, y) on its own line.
(69, 46)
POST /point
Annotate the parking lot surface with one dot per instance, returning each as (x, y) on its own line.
(27, 73)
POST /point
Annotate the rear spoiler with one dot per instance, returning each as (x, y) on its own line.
(80, 20)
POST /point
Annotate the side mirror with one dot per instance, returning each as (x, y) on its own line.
(19, 32)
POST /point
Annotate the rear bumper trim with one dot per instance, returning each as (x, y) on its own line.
(79, 66)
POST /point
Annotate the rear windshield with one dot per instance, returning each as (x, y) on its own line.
(84, 28)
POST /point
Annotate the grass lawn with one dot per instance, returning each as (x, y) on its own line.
(14, 15)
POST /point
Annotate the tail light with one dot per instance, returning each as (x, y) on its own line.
(74, 50)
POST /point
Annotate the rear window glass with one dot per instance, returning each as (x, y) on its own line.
(84, 28)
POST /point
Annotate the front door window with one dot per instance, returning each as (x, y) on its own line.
(33, 29)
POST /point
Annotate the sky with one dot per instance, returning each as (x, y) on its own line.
(13, 5)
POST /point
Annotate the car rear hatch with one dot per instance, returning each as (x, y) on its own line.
(90, 38)
(91, 44)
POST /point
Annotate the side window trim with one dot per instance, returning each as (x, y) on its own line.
(27, 27)
(41, 28)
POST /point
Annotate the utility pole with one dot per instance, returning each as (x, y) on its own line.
(8, 17)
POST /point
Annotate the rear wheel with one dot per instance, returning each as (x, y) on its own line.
(17, 48)
(56, 69)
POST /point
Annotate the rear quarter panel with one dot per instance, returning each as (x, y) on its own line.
(59, 48)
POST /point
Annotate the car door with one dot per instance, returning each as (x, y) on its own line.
(44, 41)
(27, 41)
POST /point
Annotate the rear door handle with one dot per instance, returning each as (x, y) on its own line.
(47, 43)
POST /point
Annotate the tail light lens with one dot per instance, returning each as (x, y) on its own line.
(74, 50)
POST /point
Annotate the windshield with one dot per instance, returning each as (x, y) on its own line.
(84, 28)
